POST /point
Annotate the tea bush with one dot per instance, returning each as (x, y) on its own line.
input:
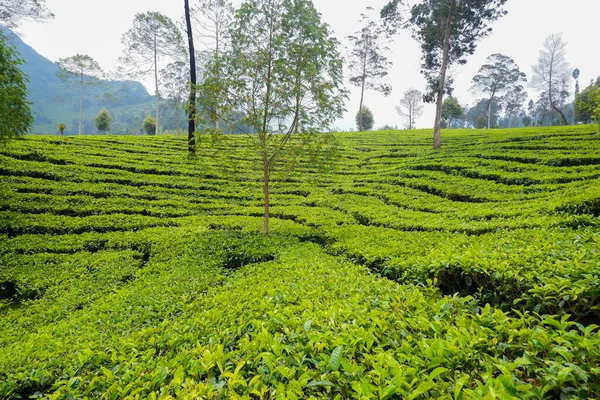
(130, 270)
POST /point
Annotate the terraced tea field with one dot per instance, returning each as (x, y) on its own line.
(128, 270)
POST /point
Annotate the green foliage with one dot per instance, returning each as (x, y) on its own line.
(149, 125)
(301, 93)
(153, 37)
(451, 109)
(61, 127)
(368, 63)
(103, 121)
(586, 103)
(15, 113)
(364, 118)
(404, 273)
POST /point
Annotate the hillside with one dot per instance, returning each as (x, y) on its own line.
(55, 101)
(130, 270)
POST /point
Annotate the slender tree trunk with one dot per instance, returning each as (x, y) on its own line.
(490, 114)
(361, 126)
(263, 134)
(156, 83)
(437, 140)
(552, 104)
(217, 54)
(81, 103)
(192, 100)
(266, 190)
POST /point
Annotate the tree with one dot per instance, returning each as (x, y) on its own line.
(15, 115)
(552, 73)
(451, 110)
(152, 37)
(192, 100)
(576, 74)
(368, 63)
(526, 121)
(476, 115)
(175, 82)
(531, 111)
(285, 74)
(499, 75)
(365, 119)
(513, 102)
(411, 107)
(585, 104)
(214, 18)
(84, 70)
(597, 109)
(13, 12)
(149, 125)
(103, 121)
(448, 31)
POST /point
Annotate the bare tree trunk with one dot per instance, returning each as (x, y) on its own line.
(192, 100)
(218, 54)
(156, 83)
(437, 141)
(266, 190)
(81, 104)
(263, 134)
(361, 126)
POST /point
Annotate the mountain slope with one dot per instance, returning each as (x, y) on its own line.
(54, 100)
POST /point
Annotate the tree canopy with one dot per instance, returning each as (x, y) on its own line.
(153, 36)
(13, 12)
(284, 74)
(448, 31)
(15, 114)
(367, 61)
(499, 75)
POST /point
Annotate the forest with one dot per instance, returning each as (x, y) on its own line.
(222, 238)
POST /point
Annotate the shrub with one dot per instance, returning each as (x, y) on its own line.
(367, 119)
(103, 121)
(149, 125)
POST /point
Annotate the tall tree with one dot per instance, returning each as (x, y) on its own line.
(531, 111)
(153, 37)
(410, 107)
(499, 75)
(552, 72)
(13, 12)
(214, 18)
(476, 115)
(448, 31)
(84, 71)
(15, 115)
(285, 74)
(368, 63)
(513, 102)
(175, 82)
(193, 82)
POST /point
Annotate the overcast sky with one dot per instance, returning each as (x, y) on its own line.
(95, 28)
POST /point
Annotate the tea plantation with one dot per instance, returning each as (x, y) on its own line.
(129, 270)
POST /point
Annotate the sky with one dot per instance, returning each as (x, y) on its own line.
(95, 28)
